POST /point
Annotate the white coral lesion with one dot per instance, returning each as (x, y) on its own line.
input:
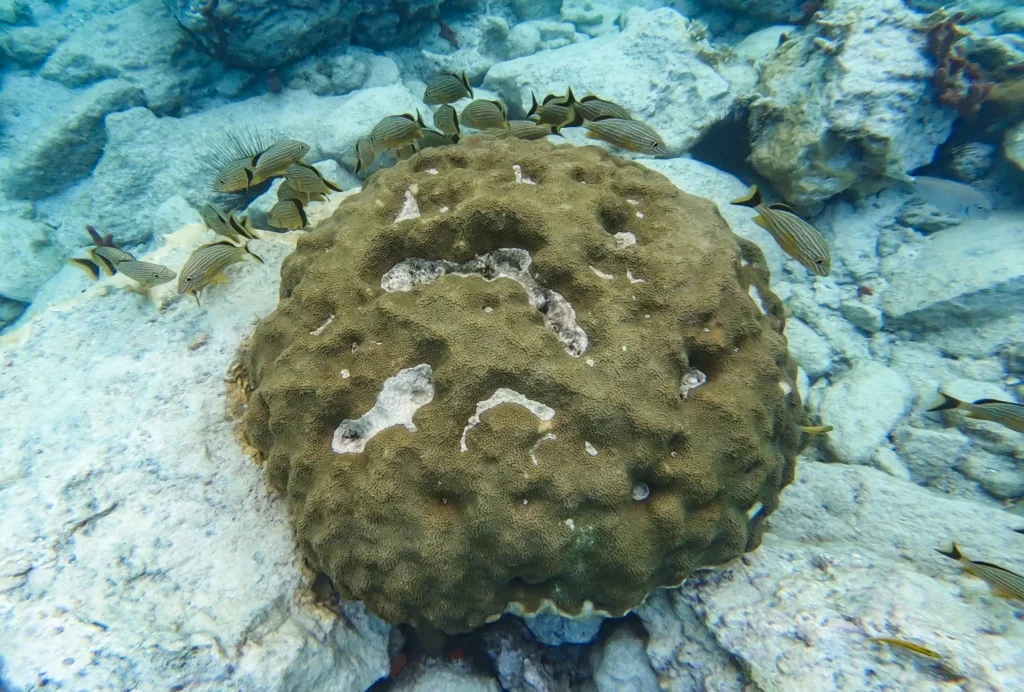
(410, 209)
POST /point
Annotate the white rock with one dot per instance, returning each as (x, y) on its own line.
(867, 317)
(759, 46)
(930, 455)
(851, 554)
(641, 68)
(864, 406)
(809, 349)
(621, 664)
(1013, 145)
(140, 543)
(27, 256)
(553, 629)
(432, 675)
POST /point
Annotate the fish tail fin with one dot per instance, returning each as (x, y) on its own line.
(90, 267)
(455, 119)
(465, 82)
(953, 554)
(535, 106)
(302, 213)
(96, 237)
(332, 186)
(557, 131)
(454, 139)
(752, 199)
(948, 403)
(253, 254)
(573, 119)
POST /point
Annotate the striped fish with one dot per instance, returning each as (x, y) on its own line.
(909, 646)
(275, 160)
(230, 158)
(1005, 413)
(227, 225)
(801, 241)
(433, 138)
(206, 265)
(625, 134)
(287, 191)
(592, 107)
(395, 131)
(109, 257)
(306, 178)
(365, 154)
(235, 176)
(526, 129)
(1003, 582)
(288, 214)
(485, 115)
(146, 273)
(88, 266)
(447, 120)
(447, 87)
(553, 110)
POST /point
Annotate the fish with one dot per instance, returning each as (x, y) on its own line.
(235, 176)
(395, 131)
(1005, 413)
(527, 129)
(277, 158)
(1003, 582)
(801, 241)
(433, 138)
(205, 266)
(105, 240)
(109, 257)
(816, 429)
(227, 225)
(632, 135)
(951, 197)
(447, 87)
(485, 115)
(365, 154)
(230, 159)
(447, 120)
(553, 110)
(908, 645)
(146, 273)
(592, 107)
(287, 191)
(1018, 530)
(448, 33)
(288, 214)
(90, 267)
(306, 178)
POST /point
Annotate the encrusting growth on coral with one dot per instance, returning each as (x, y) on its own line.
(959, 83)
(497, 416)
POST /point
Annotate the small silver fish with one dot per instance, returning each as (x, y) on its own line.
(952, 198)
(485, 115)
(447, 120)
(288, 214)
(146, 273)
(1005, 413)
(287, 191)
(632, 135)
(205, 266)
(306, 178)
(273, 162)
(1004, 583)
(592, 107)
(526, 129)
(365, 154)
(801, 241)
(447, 87)
(395, 131)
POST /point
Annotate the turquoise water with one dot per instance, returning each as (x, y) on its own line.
(155, 530)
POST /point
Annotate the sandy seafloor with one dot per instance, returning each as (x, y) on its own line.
(141, 549)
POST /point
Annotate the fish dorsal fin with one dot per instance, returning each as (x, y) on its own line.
(751, 199)
(226, 243)
(500, 105)
(599, 118)
(1001, 569)
(589, 97)
(779, 206)
(570, 98)
(548, 98)
(407, 116)
(534, 107)
(981, 402)
(465, 83)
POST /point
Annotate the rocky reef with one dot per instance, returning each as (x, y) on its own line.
(511, 452)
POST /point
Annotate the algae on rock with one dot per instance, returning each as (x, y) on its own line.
(470, 391)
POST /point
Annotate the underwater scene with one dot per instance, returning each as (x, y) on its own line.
(528, 345)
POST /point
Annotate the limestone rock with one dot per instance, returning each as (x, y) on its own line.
(30, 45)
(641, 69)
(1013, 145)
(10, 310)
(809, 349)
(621, 664)
(772, 10)
(865, 316)
(864, 406)
(554, 630)
(27, 256)
(70, 143)
(829, 118)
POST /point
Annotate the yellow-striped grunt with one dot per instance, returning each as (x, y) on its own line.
(230, 159)
(433, 138)
(447, 120)
(227, 225)
(592, 107)
(553, 110)
(484, 115)
(447, 87)
(1005, 413)
(365, 154)
(205, 267)
(908, 645)
(526, 129)
(395, 131)
(235, 176)
(801, 241)
(275, 160)
(288, 214)
(146, 273)
(1002, 581)
(109, 257)
(306, 178)
(287, 191)
(633, 135)
(816, 429)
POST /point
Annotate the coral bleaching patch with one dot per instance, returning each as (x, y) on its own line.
(431, 523)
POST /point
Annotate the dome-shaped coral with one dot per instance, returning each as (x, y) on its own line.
(509, 372)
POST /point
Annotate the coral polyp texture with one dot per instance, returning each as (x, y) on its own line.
(513, 375)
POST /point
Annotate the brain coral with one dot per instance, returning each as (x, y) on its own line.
(513, 373)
